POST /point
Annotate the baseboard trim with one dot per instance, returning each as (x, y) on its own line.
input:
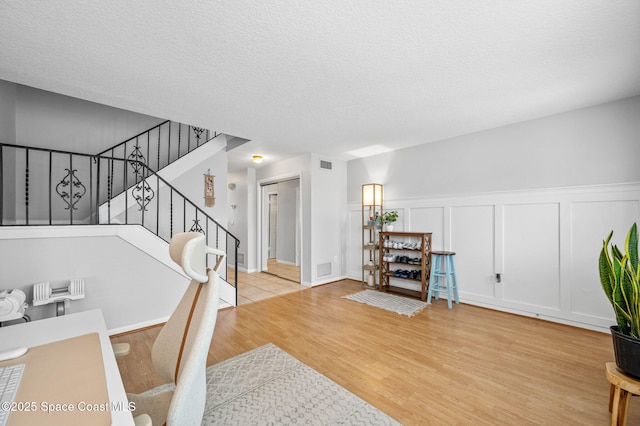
(325, 281)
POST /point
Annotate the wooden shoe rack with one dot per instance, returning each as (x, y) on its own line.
(398, 252)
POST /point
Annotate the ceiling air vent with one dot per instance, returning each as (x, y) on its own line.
(325, 164)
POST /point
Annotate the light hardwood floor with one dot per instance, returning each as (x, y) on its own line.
(464, 366)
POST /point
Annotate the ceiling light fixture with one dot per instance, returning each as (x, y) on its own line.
(257, 159)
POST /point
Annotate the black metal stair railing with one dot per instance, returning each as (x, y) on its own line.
(161, 145)
(51, 187)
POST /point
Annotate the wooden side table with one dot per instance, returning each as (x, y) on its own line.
(622, 388)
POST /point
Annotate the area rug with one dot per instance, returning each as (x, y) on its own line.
(267, 386)
(389, 302)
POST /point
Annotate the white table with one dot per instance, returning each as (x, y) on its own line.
(51, 330)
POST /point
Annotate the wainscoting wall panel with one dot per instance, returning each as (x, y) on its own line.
(354, 248)
(531, 275)
(472, 235)
(428, 219)
(590, 223)
(543, 243)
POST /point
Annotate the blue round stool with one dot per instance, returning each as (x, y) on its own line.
(442, 267)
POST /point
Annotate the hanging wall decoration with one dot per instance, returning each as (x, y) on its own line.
(209, 195)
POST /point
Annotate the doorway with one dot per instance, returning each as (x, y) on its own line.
(281, 230)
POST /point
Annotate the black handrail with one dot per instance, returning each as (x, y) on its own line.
(95, 189)
(157, 147)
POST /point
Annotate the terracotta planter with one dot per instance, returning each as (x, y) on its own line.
(627, 351)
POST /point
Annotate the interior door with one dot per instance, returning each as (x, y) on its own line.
(273, 226)
(281, 229)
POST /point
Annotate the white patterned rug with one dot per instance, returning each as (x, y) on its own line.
(389, 302)
(267, 386)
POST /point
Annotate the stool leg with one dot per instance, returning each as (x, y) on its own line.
(616, 404)
(623, 408)
(447, 273)
(455, 282)
(433, 283)
(436, 288)
(611, 391)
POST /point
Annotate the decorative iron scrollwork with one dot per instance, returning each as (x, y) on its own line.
(143, 194)
(196, 227)
(137, 160)
(76, 189)
(198, 131)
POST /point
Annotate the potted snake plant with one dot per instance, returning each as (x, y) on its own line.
(620, 278)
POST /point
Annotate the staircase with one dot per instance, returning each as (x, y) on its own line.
(118, 186)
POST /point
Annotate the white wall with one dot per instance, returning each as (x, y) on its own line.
(8, 94)
(590, 146)
(237, 216)
(327, 235)
(531, 201)
(191, 184)
(131, 288)
(50, 120)
(323, 192)
(301, 166)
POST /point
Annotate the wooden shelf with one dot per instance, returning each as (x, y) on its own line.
(402, 278)
(370, 235)
(387, 275)
(405, 291)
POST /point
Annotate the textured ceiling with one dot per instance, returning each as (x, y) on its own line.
(340, 78)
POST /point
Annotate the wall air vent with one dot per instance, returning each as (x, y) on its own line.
(324, 269)
(241, 258)
(325, 164)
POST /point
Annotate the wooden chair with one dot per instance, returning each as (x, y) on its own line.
(623, 388)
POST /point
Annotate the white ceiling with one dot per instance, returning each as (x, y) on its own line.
(341, 78)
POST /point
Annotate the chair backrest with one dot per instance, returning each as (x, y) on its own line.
(180, 351)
